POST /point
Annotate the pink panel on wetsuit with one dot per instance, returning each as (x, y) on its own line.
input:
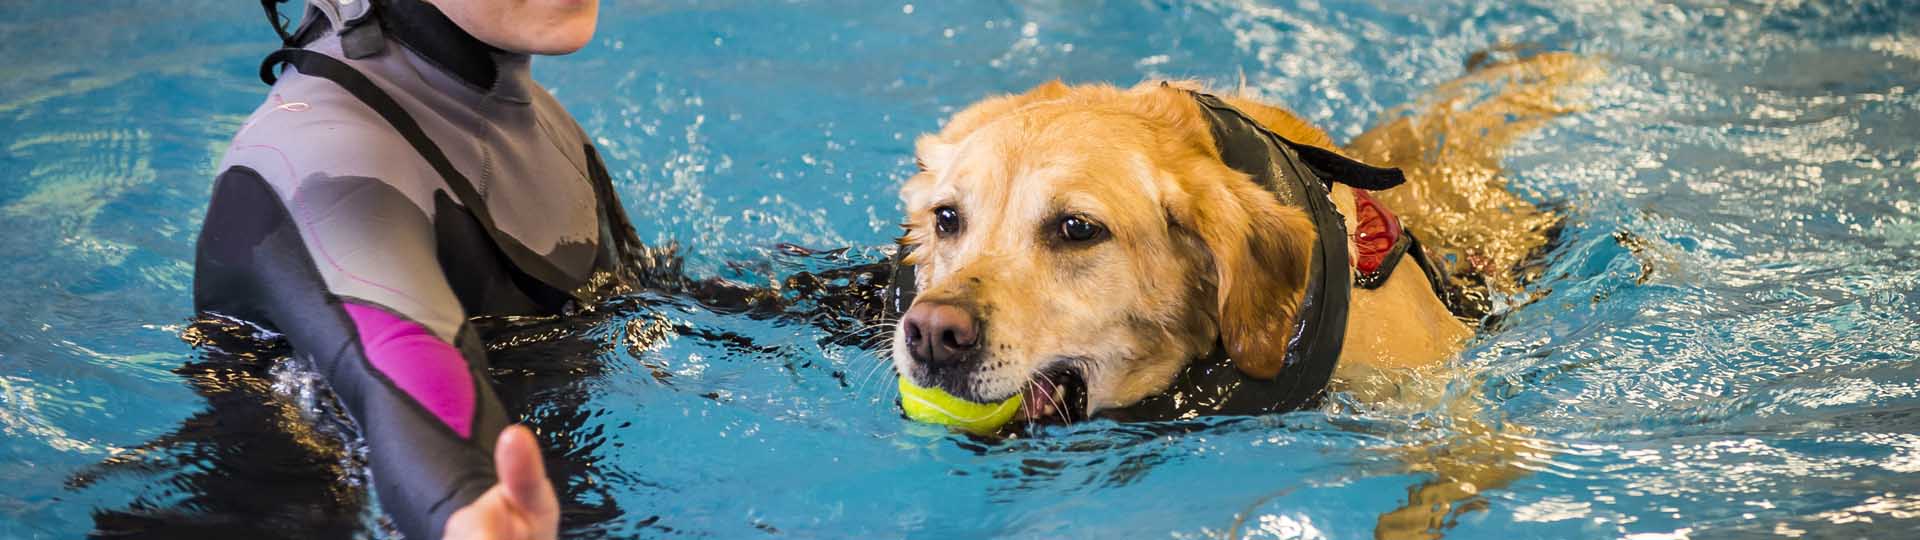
(426, 368)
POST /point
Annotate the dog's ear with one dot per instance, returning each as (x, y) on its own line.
(933, 153)
(1260, 252)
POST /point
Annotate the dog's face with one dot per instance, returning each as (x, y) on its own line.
(1082, 245)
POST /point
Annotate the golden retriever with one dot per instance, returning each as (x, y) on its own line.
(1083, 244)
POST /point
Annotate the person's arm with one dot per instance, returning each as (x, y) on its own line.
(346, 270)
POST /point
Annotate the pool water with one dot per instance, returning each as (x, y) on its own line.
(1722, 343)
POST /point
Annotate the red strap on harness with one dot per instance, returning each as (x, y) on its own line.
(1375, 235)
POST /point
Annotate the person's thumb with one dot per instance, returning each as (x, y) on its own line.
(516, 460)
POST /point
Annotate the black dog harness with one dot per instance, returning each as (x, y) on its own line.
(1300, 176)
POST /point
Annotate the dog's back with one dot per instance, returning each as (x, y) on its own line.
(1450, 145)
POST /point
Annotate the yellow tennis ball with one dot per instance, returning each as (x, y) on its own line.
(936, 406)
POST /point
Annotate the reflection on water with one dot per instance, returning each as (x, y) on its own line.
(1719, 344)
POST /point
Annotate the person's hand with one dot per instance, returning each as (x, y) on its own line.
(521, 506)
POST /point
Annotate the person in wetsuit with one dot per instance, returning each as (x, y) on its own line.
(405, 174)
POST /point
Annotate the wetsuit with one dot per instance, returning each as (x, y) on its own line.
(401, 178)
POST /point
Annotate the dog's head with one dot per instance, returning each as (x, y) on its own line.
(1083, 244)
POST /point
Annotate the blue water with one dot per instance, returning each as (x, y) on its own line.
(1723, 346)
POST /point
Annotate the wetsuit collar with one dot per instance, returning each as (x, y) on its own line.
(365, 26)
(424, 29)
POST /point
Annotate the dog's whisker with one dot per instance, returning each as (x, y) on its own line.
(865, 326)
(868, 375)
(1046, 392)
(1033, 381)
(882, 335)
(872, 371)
(876, 373)
(872, 381)
(858, 333)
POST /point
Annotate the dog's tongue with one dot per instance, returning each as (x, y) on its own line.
(1042, 399)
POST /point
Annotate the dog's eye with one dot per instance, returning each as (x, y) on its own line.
(946, 221)
(1079, 229)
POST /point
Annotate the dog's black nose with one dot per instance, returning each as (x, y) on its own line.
(939, 333)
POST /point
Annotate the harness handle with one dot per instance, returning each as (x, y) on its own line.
(1329, 165)
(1338, 168)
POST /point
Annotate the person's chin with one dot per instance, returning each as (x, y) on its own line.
(558, 43)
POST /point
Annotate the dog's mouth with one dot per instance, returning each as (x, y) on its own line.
(1057, 394)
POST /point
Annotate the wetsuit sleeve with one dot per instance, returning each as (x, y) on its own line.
(420, 397)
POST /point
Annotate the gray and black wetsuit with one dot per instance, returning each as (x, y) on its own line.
(400, 178)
